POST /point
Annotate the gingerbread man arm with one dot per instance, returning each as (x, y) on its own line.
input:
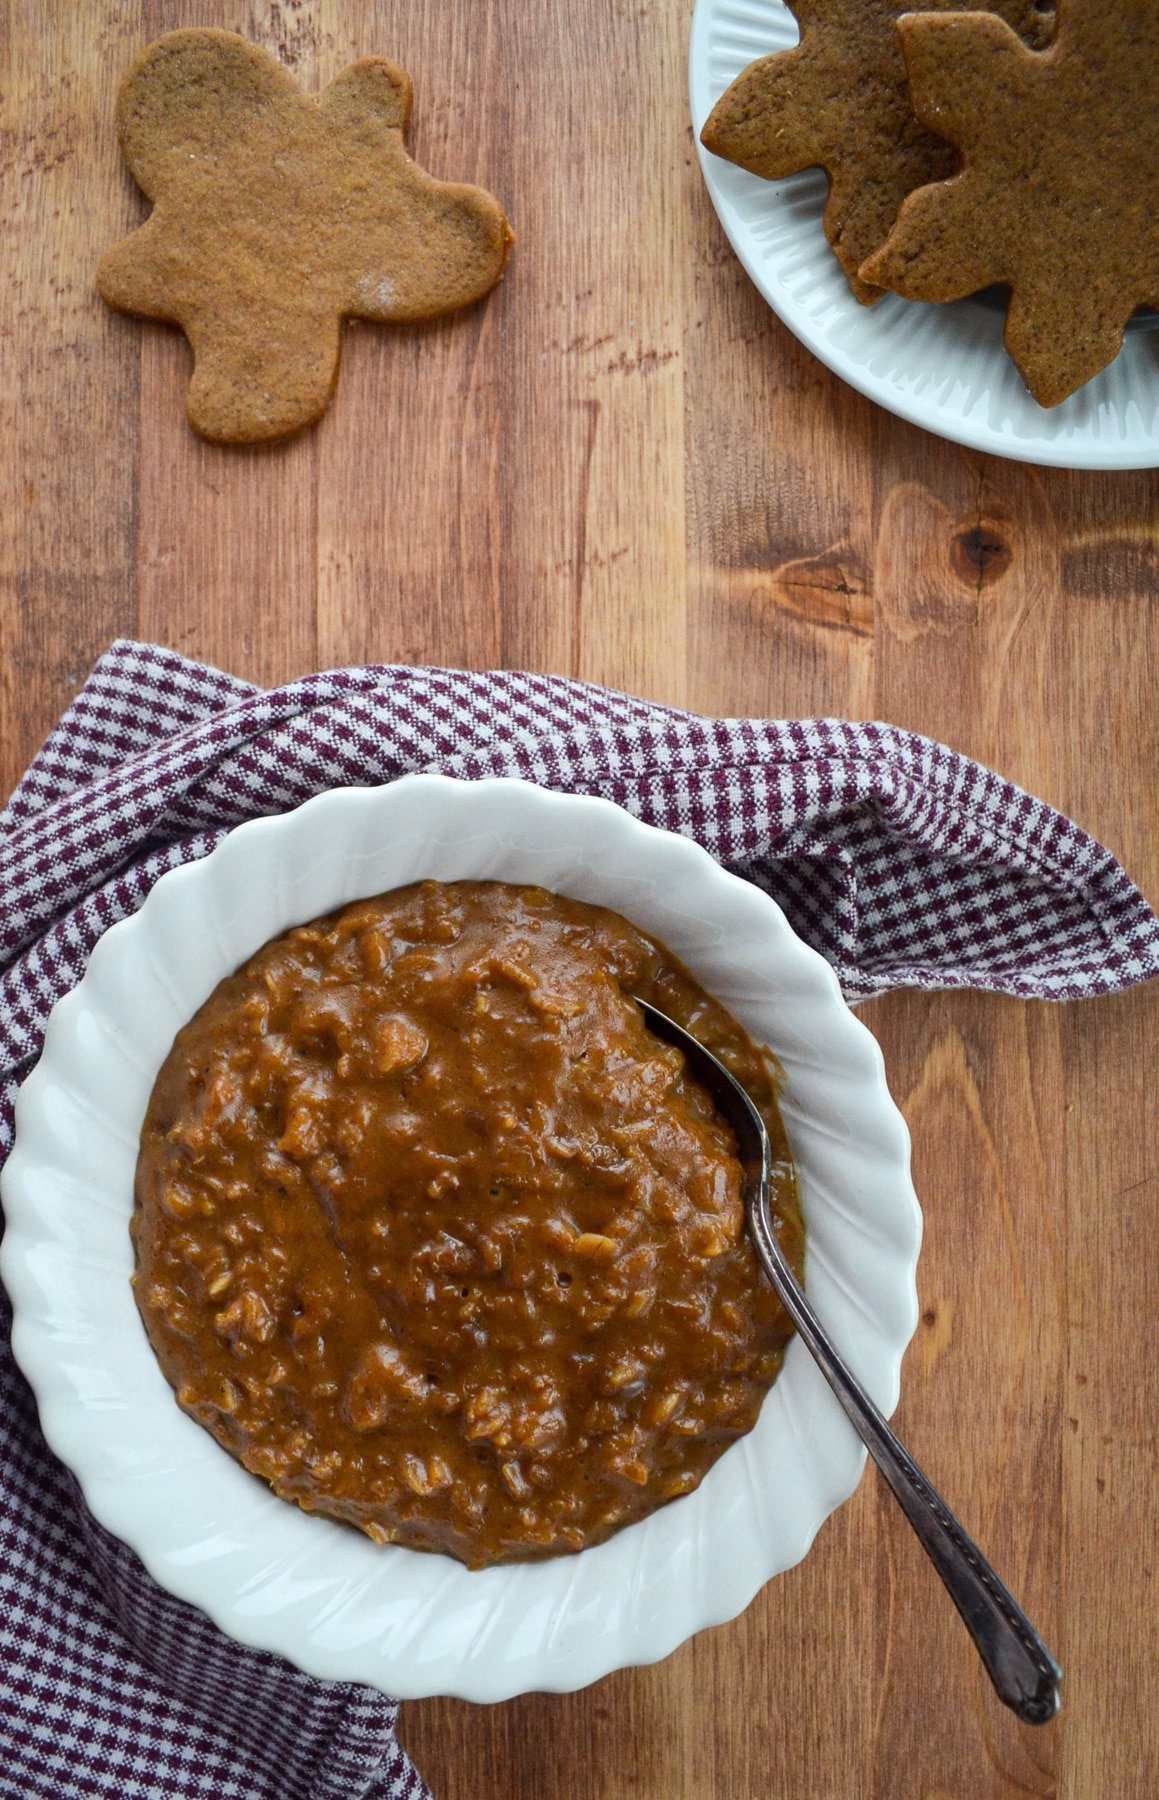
(455, 251)
(132, 276)
(737, 127)
(418, 247)
(369, 98)
(936, 251)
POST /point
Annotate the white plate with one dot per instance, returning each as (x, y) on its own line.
(316, 1592)
(939, 366)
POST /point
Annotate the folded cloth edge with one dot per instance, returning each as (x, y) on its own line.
(210, 711)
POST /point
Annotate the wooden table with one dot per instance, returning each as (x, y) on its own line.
(623, 467)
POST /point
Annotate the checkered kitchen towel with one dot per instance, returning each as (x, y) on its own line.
(902, 862)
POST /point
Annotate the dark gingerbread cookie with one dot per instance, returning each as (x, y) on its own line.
(277, 215)
(1058, 196)
(839, 101)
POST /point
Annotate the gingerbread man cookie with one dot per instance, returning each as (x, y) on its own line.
(839, 102)
(1058, 196)
(276, 216)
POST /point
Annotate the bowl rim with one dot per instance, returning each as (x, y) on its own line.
(638, 1633)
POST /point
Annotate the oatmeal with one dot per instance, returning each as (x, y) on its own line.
(437, 1238)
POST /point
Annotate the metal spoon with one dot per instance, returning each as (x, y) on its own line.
(1017, 1661)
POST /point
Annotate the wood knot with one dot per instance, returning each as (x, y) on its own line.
(938, 1333)
(980, 556)
(825, 591)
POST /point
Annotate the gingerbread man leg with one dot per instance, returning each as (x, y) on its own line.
(246, 386)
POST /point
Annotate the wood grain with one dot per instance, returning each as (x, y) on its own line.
(623, 467)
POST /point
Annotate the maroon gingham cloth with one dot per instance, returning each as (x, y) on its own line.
(902, 862)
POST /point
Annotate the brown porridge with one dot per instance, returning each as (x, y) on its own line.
(438, 1239)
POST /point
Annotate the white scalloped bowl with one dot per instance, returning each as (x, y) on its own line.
(309, 1589)
(943, 367)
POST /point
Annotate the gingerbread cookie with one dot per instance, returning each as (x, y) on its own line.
(276, 216)
(839, 101)
(1058, 197)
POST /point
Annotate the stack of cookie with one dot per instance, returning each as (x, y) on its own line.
(1014, 144)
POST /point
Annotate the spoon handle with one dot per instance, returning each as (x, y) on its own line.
(1017, 1661)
